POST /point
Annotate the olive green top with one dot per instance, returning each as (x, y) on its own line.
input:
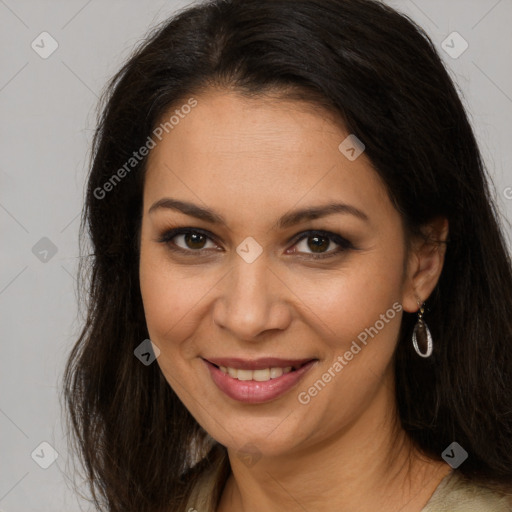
(454, 494)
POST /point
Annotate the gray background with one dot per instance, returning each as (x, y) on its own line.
(47, 118)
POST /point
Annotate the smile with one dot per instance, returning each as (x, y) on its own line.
(270, 379)
(258, 375)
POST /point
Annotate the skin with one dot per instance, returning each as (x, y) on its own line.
(252, 161)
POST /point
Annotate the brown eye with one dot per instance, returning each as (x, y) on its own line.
(186, 240)
(318, 242)
(315, 244)
(194, 240)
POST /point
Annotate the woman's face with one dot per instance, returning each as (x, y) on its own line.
(242, 282)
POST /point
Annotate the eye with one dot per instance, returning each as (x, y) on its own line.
(192, 242)
(319, 241)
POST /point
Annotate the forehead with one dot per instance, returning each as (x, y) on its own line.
(258, 154)
(230, 125)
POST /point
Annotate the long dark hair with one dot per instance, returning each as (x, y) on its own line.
(381, 73)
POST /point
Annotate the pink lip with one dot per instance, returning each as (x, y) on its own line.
(254, 392)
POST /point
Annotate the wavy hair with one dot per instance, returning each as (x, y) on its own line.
(140, 448)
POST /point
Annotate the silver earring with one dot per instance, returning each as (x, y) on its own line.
(421, 335)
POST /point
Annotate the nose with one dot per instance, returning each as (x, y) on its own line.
(254, 299)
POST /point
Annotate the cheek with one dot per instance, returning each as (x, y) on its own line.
(168, 306)
(175, 298)
(344, 303)
(165, 298)
(360, 315)
(358, 312)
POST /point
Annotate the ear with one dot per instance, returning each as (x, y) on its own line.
(424, 263)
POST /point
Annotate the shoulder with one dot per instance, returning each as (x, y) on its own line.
(456, 493)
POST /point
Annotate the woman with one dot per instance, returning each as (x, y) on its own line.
(287, 199)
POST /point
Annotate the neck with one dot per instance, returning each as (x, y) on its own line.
(369, 465)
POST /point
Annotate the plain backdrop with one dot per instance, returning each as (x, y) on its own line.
(48, 113)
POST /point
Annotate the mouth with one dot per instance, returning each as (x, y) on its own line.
(261, 370)
(257, 381)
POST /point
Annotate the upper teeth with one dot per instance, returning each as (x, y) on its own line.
(259, 375)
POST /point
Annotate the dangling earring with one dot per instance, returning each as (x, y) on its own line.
(421, 335)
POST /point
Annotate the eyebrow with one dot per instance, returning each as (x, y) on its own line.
(287, 220)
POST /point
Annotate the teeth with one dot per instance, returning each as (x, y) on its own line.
(244, 374)
(262, 375)
(275, 372)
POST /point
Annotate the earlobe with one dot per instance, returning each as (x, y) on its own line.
(425, 263)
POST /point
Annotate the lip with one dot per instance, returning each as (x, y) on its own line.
(255, 392)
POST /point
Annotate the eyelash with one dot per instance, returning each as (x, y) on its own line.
(342, 242)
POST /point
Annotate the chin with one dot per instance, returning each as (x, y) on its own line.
(264, 441)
